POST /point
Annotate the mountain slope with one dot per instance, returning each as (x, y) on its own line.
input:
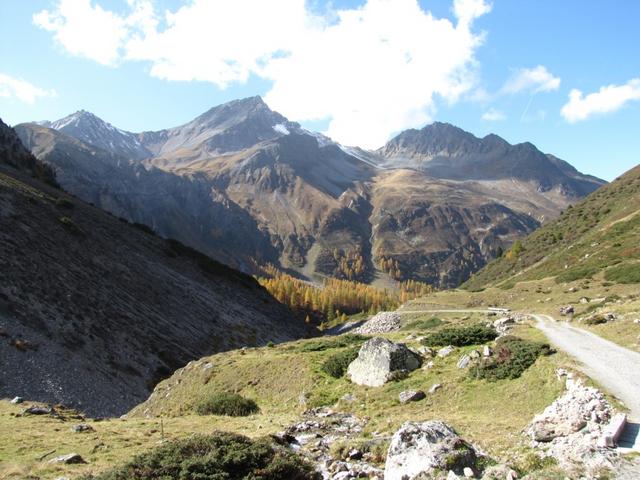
(14, 154)
(243, 183)
(599, 234)
(93, 311)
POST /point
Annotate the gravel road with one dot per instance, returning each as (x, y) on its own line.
(614, 367)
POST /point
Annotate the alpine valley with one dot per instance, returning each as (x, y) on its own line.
(246, 186)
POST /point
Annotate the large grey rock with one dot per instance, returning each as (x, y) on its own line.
(425, 448)
(70, 458)
(381, 360)
(445, 351)
(411, 396)
(464, 361)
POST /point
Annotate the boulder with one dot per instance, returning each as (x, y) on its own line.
(464, 361)
(424, 448)
(499, 472)
(411, 396)
(82, 428)
(36, 410)
(380, 360)
(445, 351)
(567, 310)
(70, 458)
(426, 351)
(435, 387)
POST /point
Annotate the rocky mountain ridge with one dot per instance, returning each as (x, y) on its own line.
(314, 207)
(95, 311)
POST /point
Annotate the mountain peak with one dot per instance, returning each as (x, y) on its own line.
(88, 127)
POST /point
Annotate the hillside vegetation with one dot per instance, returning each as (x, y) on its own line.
(287, 379)
(596, 237)
(336, 298)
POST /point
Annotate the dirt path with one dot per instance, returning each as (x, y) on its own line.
(614, 367)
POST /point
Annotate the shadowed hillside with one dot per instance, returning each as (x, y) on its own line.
(94, 311)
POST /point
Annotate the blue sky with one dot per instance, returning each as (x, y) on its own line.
(360, 71)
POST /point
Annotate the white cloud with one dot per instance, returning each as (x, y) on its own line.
(89, 31)
(535, 80)
(371, 70)
(608, 99)
(493, 115)
(22, 90)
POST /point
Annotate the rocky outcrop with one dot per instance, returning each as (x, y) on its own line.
(428, 448)
(318, 431)
(568, 429)
(382, 322)
(380, 360)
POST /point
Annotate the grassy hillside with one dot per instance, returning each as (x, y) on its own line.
(285, 380)
(596, 237)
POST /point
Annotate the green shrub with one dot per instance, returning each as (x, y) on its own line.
(461, 336)
(340, 341)
(221, 456)
(336, 365)
(628, 273)
(595, 320)
(229, 404)
(511, 358)
(576, 273)
(423, 324)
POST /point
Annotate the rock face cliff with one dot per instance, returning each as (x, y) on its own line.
(95, 311)
(243, 183)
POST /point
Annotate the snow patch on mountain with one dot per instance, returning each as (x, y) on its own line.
(280, 128)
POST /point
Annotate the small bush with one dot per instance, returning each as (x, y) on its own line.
(576, 273)
(229, 404)
(336, 365)
(221, 456)
(423, 324)
(511, 358)
(629, 273)
(461, 336)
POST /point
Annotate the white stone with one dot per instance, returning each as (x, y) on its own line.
(380, 360)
